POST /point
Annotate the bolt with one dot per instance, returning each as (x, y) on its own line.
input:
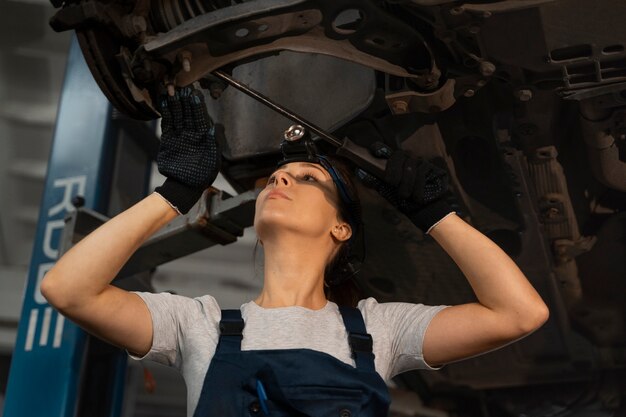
(469, 92)
(487, 14)
(552, 212)
(455, 11)
(487, 68)
(186, 65)
(481, 83)
(216, 90)
(474, 29)
(139, 24)
(400, 106)
(185, 58)
(524, 94)
(78, 201)
(133, 25)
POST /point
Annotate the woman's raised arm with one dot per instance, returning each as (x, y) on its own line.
(508, 306)
(79, 284)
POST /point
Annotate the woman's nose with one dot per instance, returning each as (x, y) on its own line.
(282, 178)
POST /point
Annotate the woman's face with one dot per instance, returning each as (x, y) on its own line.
(300, 197)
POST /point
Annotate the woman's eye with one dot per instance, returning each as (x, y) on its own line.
(306, 176)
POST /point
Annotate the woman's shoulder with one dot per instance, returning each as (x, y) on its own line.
(388, 312)
(181, 304)
(371, 303)
(367, 304)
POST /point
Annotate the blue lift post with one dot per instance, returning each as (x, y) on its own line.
(55, 370)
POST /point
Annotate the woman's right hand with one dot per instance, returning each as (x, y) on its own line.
(189, 154)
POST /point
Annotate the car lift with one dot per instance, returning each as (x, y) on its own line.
(57, 370)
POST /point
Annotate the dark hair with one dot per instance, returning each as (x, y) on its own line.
(339, 282)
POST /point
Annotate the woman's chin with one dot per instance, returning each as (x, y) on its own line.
(268, 226)
(271, 217)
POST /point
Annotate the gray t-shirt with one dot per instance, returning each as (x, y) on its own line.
(186, 332)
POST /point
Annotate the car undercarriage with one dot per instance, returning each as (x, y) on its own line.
(523, 102)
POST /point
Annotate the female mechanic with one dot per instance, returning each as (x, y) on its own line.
(291, 351)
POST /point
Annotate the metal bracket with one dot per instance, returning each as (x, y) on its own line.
(218, 219)
(566, 249)
(298, 25)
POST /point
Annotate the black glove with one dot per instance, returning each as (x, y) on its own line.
(414, 186)
(189, 154)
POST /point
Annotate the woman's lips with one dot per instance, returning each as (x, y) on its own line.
(277, 194)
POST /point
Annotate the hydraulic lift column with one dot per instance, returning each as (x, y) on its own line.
(52, 357)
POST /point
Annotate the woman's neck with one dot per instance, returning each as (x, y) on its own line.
(293, 273)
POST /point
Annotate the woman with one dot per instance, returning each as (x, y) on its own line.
(290, 351)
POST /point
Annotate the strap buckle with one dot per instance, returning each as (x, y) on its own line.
(231, 328)
(360, 343)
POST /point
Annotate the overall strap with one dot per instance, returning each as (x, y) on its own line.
(231, 331)
(360, 341)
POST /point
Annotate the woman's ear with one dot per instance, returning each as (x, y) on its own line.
(341, 232)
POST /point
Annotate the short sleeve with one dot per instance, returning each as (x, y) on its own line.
(172, 315)
(402, 327)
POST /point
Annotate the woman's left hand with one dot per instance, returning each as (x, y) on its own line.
(418, 188)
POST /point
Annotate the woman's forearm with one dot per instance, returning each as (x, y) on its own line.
(496, 280)
(89, 267)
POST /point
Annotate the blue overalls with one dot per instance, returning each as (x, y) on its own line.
(292, 382)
